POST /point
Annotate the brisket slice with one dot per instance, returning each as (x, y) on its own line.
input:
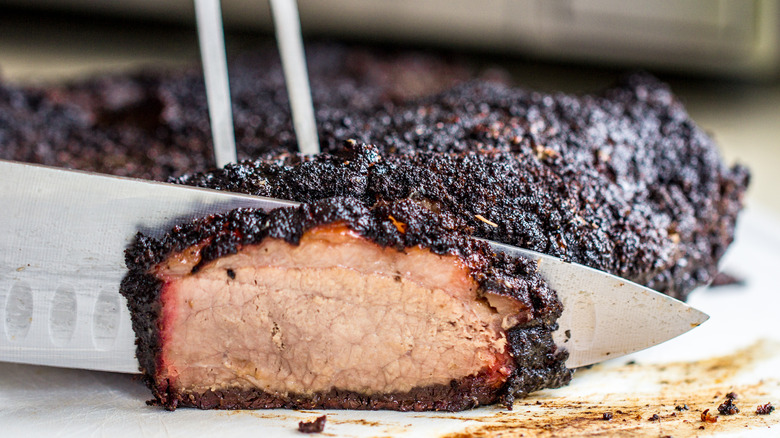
(623, 182)
(335, 305)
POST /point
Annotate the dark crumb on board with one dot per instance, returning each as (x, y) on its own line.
(765, 409)
(654, 417)
(707, 418)
(728, 407)
(725, 279)
(315, 426)
(606, 416)
(682, 407)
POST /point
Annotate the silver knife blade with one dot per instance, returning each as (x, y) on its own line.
(605, 316)
(62, 260)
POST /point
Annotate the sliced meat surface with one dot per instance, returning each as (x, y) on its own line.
(333, 311)
(327, 304)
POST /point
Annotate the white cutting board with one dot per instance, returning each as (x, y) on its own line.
(738, 349)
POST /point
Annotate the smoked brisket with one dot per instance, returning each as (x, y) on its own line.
(498, 337)
(419, 154)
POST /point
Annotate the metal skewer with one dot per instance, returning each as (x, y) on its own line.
(212, 50)
(288, 37)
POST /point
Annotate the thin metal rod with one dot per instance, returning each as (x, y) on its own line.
(212, 51)
(288, 37)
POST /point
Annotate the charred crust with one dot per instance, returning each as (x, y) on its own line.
(538, 363)
(142, 293)
(541, 361)
(630, 184)
(465, 393)
(622, 180)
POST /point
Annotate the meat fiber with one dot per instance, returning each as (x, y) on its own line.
(334, 305)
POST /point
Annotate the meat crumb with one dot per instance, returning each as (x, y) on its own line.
(707, 418)
(315, 426)
(765, 409)
(728, 407)
(606, 416)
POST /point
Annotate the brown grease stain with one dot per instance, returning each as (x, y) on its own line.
(387, 429)
(699, 385)
(359, 422)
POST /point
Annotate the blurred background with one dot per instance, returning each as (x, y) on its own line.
(721, 57)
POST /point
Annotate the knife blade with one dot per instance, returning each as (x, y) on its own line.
(62, 260)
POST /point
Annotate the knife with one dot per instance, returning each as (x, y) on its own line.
(62, 245)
